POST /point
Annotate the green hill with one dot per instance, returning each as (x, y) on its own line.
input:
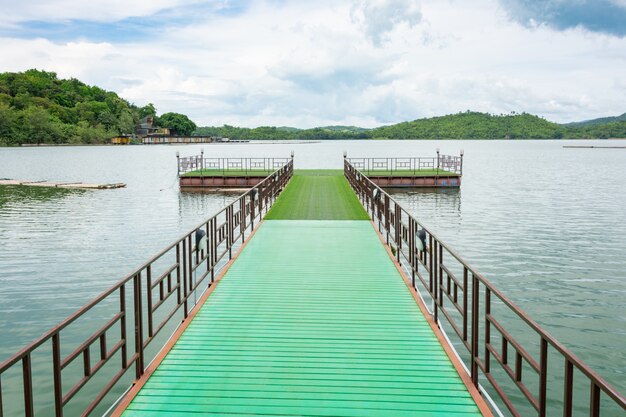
(600, 121)
(467, 125)
(38, 107)
(473, 125)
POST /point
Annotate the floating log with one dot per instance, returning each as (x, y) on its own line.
(50, 184)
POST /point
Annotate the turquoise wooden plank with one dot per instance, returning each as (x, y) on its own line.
(313, 319)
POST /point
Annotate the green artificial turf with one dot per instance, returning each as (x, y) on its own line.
(317, 195)
(227, 172)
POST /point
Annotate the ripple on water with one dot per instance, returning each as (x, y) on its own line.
(543, 223)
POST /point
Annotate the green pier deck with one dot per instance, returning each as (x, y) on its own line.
(312, 319)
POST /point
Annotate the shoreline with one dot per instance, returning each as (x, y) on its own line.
(294, 141)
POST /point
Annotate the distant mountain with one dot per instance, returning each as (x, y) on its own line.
(352, 129)
(474, 125)
(596, 122)
(38, 107)
(287, 129)
(465, 125)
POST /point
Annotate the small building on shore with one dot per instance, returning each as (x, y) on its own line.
(121, 140)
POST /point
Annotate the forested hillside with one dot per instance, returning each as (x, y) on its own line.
(38, 107)
(472, 125)
(467, 125)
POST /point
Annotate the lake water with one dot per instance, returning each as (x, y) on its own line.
(545, 224)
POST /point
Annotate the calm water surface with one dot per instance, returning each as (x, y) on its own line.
(546, 224)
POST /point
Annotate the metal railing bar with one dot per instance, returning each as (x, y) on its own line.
(69, 358)
(579, 364)
(164, 275)
(509, 338)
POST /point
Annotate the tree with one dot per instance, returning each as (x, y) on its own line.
(147, 110)
(178, 123)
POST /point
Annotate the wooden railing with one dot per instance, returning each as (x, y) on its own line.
(497, 341)
(130, 315)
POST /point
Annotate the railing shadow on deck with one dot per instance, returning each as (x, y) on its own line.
(507, 354)
(75, 364)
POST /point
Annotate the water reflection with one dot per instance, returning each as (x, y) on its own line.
(204, 202)
(18, 194)
(428, 204)
(553, 240)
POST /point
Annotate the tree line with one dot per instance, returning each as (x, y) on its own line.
(38, 107)
(465, 125)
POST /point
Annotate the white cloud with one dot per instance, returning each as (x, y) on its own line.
(305, 64)
(379, 17)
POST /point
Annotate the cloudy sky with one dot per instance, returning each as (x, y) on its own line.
(304, 64)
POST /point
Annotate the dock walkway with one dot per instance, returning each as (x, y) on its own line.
(312, 319)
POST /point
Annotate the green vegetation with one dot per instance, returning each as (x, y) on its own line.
(284, 133)
(600, 121)
(317, 195)
(467, 125)
(37, 107)
(471, 125)
(178, 123)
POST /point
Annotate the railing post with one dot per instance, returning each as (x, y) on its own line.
(487, 329)
(252, 215)
(543, 375)
(56, 370)
(214, 248)
(430, 265)
(184, 279)
(412, 249)
(398, 227)
(440, 272)
(594, 401)
(149, 298)
(435, 275)
(1, 406)
(568, 385)
(229, 229)
(242, 215)
(386, 212)
(124, 355)
(27, 376)
(139, 363)
(465, 288)
(190, 265)
(474, 329)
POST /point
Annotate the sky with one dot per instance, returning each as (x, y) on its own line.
(331, 62)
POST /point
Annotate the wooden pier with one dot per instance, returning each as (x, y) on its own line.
(319, 295)
(69, 185)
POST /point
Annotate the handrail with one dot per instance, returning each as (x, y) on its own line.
(409, 165)
(221, 166)
(149, 306)
(472, 318)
